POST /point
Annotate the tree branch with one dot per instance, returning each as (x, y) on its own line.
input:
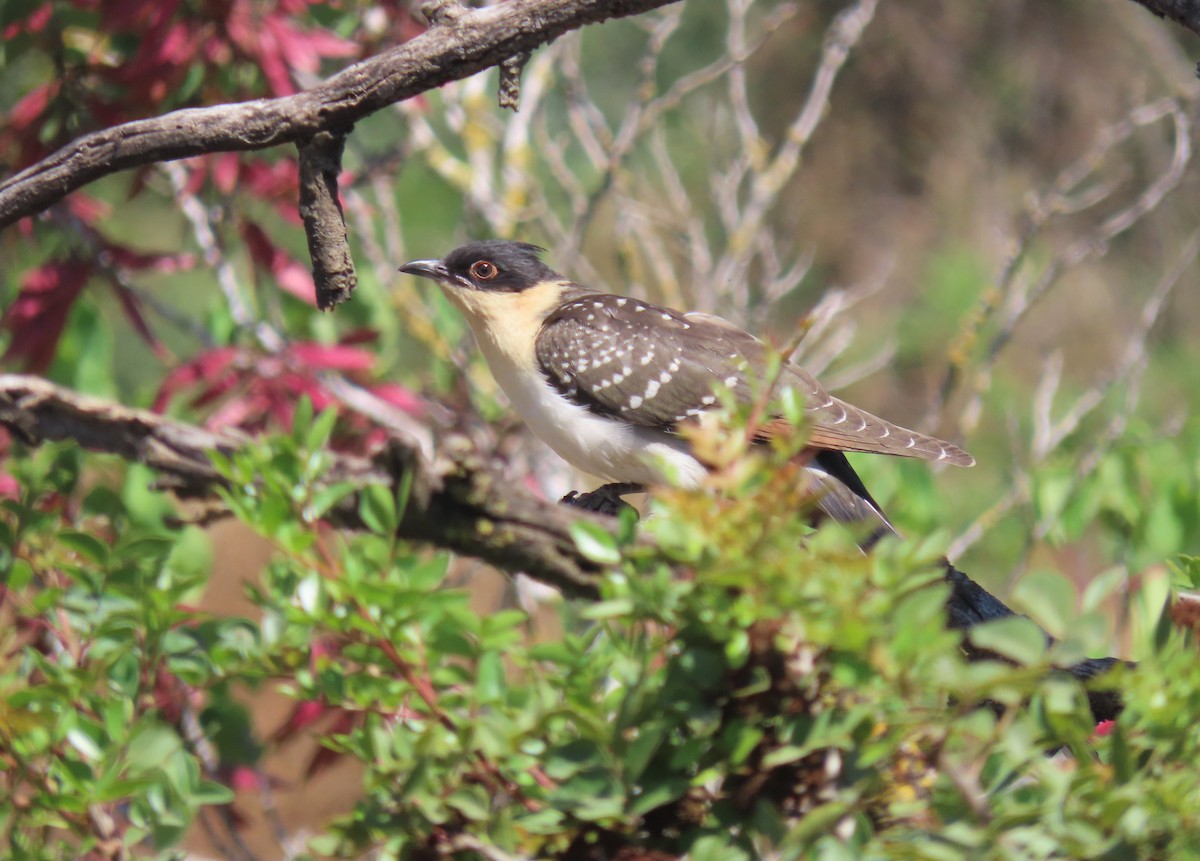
(457, 500)
(448, 51)
(324, 221)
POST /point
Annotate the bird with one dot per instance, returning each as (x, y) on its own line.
(608, 381)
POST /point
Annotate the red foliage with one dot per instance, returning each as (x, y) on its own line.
(288, 273)
(10, 488)
(37, 317)
(253, 390)
(153, 47)
(271, 181)
(149, 51)
(266, 34)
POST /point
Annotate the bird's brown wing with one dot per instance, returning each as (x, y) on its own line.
(644, 364)
(655, 367)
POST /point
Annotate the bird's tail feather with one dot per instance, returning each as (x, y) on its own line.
(841, 496)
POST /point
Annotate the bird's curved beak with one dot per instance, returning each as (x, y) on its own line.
(433, 269)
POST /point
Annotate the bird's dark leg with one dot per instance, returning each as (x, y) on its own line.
(605, 499)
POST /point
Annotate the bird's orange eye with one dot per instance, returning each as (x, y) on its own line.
(484, 270)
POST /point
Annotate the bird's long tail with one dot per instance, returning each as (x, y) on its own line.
(841, 496)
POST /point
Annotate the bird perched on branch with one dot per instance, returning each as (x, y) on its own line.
(607, 381)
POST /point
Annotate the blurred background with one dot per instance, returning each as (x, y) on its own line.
(982, 218)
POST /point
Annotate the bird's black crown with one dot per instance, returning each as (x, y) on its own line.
(500, 265)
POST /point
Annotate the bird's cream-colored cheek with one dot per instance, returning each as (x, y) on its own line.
(505, 324)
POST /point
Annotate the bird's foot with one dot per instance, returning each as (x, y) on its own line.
(603, 500)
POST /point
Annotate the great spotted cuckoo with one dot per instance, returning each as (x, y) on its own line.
(607, 381)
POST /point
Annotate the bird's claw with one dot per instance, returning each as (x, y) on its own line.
(604, 500)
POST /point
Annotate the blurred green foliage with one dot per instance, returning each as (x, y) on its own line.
(783, 700)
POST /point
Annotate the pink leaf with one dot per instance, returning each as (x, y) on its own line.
(338, 357)
(34, 22)
(37, 318)
(133, 312)
(401, 397)
(203, 368)
(31, 106)
(295, 278)
(86, 208)
(225, 172)
(10, 488)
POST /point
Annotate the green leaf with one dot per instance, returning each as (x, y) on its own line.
(595, 542)
(658, 793)
(1014, 637)
(714, 848)
(473, 802)
(1164, 627)
(619, 608)
(19, 575)
(566, 761)
(88, 546)
(489, 680)
(377, 508)
(1050, 598)
(84, 743)
(151, 745)
(1101, 587)
(791, 403)
(326, 498)
(302, 419)
(308, 593)
(322, 430)
(210, 792)
(1185, 570)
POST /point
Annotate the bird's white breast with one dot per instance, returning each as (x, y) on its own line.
(505, 328)
(602, 446)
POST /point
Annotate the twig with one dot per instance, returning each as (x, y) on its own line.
(509, 90)
(324, 223)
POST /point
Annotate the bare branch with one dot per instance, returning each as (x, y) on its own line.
(509, 95)
(324, 223)
(472, 42)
